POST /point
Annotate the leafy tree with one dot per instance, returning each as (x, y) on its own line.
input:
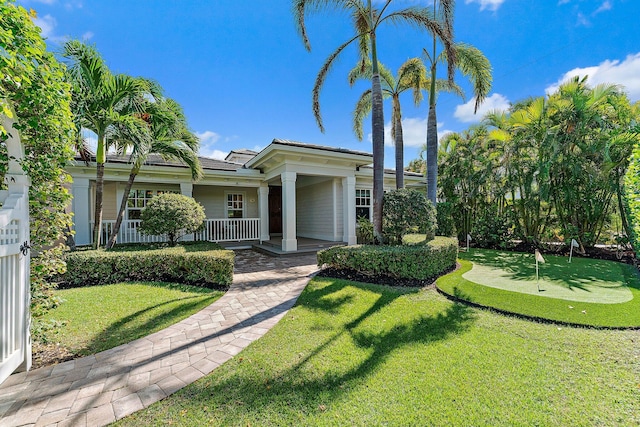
(468, 60)
(366, 21)
(408, 211)
(33, 91)
(411, 76)
(172, 215)
(170, 138)
(102, 100)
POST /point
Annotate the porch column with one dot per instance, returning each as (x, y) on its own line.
(349, 209)
(81, 206)
(289, 240)
(186, 189)
(263, 210)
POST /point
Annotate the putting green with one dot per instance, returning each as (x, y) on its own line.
(582, 280)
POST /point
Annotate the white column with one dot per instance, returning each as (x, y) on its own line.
(289, 239)
(186, 189)
(349, 209)
(81, 206)
(263, 211)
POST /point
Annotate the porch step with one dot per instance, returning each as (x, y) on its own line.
(268, 248)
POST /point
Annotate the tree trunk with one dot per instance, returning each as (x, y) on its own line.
(399, 143)
(123, 207)
(432, 155)
(97, 226)
(377, 128)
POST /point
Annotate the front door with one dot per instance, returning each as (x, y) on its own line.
(275, 210)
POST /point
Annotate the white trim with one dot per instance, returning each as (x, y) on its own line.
(226, 203)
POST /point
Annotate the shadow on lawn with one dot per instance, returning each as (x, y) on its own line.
(577, 275)
(303, 386)
(130, 328)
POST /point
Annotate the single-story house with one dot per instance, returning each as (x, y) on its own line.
(289, 192)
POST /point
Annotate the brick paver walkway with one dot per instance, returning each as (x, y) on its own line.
(99, 389)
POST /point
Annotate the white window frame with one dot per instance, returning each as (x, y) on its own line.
(370, 205)
(145, 199)
(243, 201)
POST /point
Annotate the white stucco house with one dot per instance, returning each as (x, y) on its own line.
(284, 197)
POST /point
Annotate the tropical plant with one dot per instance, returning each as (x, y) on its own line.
(468, 60)
(34, 93)
(366, 21)
(170, 138)
(411, 76)
(172, 215)
(407, 211)
(102, 100)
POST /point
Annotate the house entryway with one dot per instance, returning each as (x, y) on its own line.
(273, 246)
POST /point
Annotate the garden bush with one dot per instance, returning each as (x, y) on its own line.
(418, 261)
(444, 217)
(407, 211)
(171, 215)
(492, 229)
(203, 264)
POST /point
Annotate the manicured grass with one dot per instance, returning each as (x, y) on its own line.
(98, 318)
(585, 292)
(358, 354)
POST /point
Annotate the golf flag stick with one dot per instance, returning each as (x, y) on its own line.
(540, 260)
(574, 244)
(468, 240)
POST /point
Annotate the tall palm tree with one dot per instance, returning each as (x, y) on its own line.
(366, 21)
(170, 138)
(102, 100)
(467, 59)
(410, 76)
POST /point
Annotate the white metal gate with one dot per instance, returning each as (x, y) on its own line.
(15, 340)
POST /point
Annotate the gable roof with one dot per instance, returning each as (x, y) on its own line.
(290, 143)
(156, 160)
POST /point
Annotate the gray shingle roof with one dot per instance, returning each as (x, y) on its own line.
(319, 147)
(155, 160)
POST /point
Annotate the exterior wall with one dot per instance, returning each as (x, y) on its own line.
(110, 204)
(315, 211)
(214, 201)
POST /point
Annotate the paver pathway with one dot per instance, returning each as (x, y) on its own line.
(99, 389)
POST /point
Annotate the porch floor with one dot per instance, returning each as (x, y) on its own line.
(273, 246)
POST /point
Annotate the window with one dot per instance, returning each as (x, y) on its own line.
(363, 203)
(235, 205)
(138, 199)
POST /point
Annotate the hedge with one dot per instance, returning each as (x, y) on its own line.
(208, 266)
(418, 261)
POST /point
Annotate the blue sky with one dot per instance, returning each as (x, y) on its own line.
(241, 72)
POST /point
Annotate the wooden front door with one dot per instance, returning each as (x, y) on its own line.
(275, 210)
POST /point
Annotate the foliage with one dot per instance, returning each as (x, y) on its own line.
(407, 211)
(173, 215)
(421, 261)
(354, 354)
(97, 318)
(521, 267)
(33, 90)
(492, 230)
(206, 265)
(444, 218)
(364, 231)
(632, 199)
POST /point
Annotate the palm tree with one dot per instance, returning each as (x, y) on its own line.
(170, 138)
(366, 21)
(472, 63)
(410, 76)
(102, 100)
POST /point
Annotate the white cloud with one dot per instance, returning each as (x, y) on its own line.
(625, 73)
(414, 132)
(208, 137)
(88, 35)
(212, 153)
(495, 102)
(606, 5)
(47, 24)
(487, 4)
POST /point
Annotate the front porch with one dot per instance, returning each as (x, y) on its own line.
(273, 246)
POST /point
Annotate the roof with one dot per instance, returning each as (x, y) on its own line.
(319, 147)
(156, 160)
(244, 151)
(393, 172)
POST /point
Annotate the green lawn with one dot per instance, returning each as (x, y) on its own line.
(98, 318)
(358, 354)
(585, 291)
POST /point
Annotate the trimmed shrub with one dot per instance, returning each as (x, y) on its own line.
(418, 261)
(492, 229)
(407, 211)
(364, 231)
(206, 265)
(171, 215)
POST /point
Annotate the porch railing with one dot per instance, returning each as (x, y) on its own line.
(215, 230)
